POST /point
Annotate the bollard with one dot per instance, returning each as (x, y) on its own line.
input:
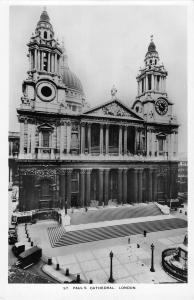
(128, 240)
(57, 268)
(32, 243)
(145, 233)
(67, 272)
(180, 211)
(138, 246)
(78, 278)
(49, 261)
(185, 213)
(29, 239)
(90, 281)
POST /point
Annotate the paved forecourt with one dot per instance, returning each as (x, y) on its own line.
(130, 264)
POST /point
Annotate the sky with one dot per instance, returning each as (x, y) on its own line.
(106, 45)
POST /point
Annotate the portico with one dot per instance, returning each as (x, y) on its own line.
(91, 185)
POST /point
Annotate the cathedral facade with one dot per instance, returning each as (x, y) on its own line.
(78, 156)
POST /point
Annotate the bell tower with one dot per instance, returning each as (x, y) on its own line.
(44, 50)
(152, 101)
(152, 78)
(43, 89)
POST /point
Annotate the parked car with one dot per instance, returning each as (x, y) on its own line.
(29, 257)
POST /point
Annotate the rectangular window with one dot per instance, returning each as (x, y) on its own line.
(161, 145)
(45, 139)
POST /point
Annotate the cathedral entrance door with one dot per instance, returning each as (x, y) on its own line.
(74, 200)
(45, 195)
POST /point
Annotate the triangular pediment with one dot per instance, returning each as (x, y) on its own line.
(113, 108)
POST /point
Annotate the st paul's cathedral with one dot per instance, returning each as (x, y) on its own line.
(78, 156)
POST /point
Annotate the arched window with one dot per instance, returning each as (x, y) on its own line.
(45, 35)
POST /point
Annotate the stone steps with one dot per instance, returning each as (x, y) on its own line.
(109, 232)
(115, 214)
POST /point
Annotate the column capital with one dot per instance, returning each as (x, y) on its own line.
(88, 171)
(68, 122)
(69, 171)
(82, 171)
(101, 125)
(124, 169)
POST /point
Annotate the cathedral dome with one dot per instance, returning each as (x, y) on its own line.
(71, 80)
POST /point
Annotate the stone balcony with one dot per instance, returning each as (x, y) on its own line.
(52, 154)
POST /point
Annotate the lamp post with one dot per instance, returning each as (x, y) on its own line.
(152, 258)
(66, 207)
(111, 279)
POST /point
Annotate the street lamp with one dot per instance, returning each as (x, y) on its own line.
(111, 279)
(152, 258)
(66, 207)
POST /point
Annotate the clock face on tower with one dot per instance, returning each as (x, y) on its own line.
(46, 91)
(161, 106)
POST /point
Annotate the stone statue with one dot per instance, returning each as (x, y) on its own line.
(113, 92)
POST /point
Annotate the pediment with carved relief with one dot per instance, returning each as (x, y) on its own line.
(113, 109)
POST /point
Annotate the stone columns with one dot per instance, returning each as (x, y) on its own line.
(170, 145)
(69, 172)
(82, 187)
(154, 182)
(42, 60)
(120, 140)
(88, 186)
(52, 63)
(164, 84)
(176, 143)
(135, 191)
(22, 138)
(135, 141)
(106, 186)
(55, 62)
(150, 192)
(68, 137)
(101, 172)
(35, 58)
(125, 185)
(89, 138)
(38, 61)
(101, 138)
(62, 140)
(120, 188)
(49, 60)
(125, 140)
(152, 85)
(63, 189)
(82, 138)
(33, 139)
(29, 137)
(140, 171)
(107, 139)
